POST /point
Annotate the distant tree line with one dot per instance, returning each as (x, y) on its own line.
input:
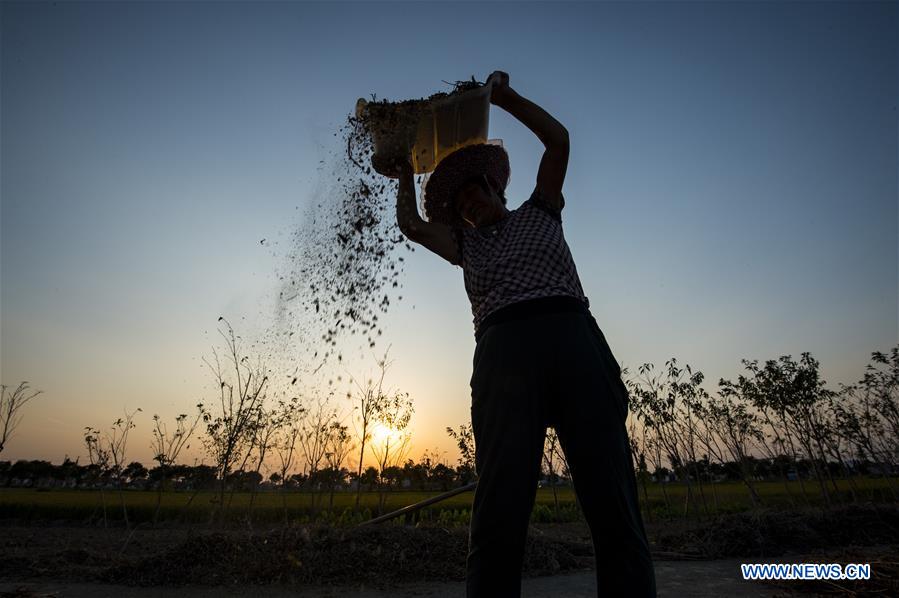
(425, 475)
(778, 422)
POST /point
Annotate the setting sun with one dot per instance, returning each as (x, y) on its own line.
(380, 434)
(401, 318)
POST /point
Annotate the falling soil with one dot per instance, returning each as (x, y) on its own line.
(345, 262)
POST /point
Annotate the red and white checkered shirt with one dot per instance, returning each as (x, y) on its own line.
(524, 256)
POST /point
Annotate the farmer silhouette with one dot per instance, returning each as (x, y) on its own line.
(540, 359)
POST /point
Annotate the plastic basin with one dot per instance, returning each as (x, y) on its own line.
(426, 131)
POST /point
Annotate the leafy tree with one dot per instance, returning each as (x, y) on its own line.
(134, 472)
(369, 476)
(790, 396)
(871, 425)
(465, 441)
(394, 415)
(733, 429)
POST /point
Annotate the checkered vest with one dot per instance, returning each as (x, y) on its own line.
(524, 256)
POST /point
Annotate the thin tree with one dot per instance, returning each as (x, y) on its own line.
(733, 432)
(394, 416)
(230, 429)
(659, 404)
(286, 441)
(465, 441)
(690, 398)
(550, 454)
(653, 404)
(429, 460)
(98, 455)
(368, 401)
(835, 442)
(338, 447)
(167, 446)
(313, 437)
(637, 441)
(266, 428)
(873, 422)
(117, 443)
(776, 442)
(10, 405)
(794, 390)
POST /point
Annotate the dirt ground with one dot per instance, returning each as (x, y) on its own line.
(674, 579)
(64, 559)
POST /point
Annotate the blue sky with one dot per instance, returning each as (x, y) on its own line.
(731, 191)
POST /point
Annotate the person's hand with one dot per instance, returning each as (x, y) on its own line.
(499, 87)
(404, 165)
(403, 168)
(393, 168)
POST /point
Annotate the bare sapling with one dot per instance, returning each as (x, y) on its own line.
(117, 441)
(167, 446)
(637, 437)
(98, 455)
(313, 438)
(551, 450)
(393, 446)
(659, 404)
(690, 398)
(266, 427)
(230, 425)
(10, 405)
(285, 443)
(368, 402)
(645, 402)
(338, 447)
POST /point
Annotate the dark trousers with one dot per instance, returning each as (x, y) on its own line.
(552, 370)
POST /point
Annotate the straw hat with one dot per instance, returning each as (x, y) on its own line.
(438, 190)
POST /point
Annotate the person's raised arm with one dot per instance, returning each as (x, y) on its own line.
(553, 135)
(435, 236)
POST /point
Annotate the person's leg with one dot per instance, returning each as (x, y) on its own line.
(509, 432)
(590, 422)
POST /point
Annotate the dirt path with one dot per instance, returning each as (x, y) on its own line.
(675, 579)
(61, 560)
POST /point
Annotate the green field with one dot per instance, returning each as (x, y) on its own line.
(31, 504)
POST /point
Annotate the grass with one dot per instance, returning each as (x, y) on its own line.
(86, 505)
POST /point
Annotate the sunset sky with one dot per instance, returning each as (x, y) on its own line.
(731, 191)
